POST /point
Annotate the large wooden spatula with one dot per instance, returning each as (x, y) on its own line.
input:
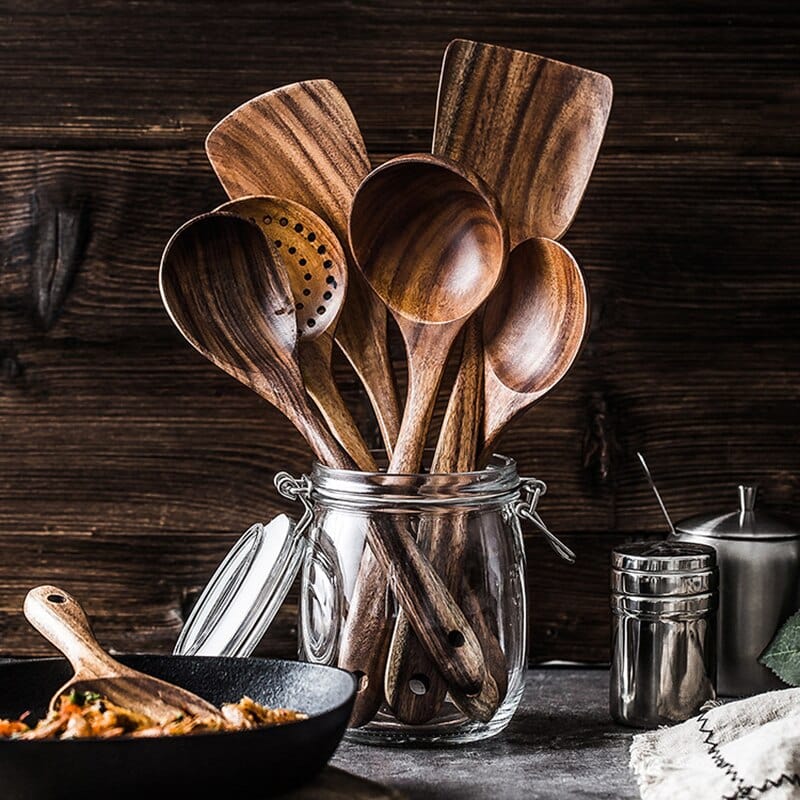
(62, 621)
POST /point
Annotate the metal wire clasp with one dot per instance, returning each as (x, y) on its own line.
(531, 489)
(296, 489)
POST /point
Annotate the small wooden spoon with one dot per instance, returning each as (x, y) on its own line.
(316, 266)
(223, 292)
(427, 236)
(61, 620)
(533, 330)
(303, 143)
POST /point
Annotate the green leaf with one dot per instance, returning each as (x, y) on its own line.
(782, 655)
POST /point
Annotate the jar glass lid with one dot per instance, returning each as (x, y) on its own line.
(243, 596)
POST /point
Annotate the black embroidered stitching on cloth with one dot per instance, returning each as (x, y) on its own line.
(728, 768)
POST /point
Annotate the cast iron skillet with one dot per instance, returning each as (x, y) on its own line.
(256, 764)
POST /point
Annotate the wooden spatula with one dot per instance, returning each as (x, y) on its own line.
(62, 621)
(301, 142)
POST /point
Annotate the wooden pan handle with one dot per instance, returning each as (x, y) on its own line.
(58, 616)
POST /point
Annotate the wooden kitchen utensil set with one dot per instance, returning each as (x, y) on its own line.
(315, 248)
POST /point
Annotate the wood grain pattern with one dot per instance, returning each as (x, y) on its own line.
(302, 142)
(531, 127)
(129, 464)
(223, 291)
(61, 620)
(313, 260)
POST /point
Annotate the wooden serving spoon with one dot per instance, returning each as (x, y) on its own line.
(225, 295)
(531, 127)
(313, 259)
(427, 237)
(302, 142)
(62, 621)
(223, 291)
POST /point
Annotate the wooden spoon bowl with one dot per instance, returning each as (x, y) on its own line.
(533, 329)
(427, 237)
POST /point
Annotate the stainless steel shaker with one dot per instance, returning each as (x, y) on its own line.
(663, 660)
(759, 573)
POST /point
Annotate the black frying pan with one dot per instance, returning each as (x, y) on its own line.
(256, 764)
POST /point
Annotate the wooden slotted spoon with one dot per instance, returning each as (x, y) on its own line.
(426, 235)
(62, 621)
(531, 127)
(315, 264)
(302, 142)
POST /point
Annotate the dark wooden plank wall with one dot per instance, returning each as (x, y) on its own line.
(128, 465)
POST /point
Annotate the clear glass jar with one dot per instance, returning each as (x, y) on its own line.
(468, 525)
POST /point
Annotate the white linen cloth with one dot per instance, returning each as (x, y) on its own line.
(744, 749)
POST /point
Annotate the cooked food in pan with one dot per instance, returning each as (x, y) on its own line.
(81, 715)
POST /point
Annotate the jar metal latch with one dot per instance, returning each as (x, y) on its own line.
(531, 489)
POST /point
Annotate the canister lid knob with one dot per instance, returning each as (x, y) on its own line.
(747, 497)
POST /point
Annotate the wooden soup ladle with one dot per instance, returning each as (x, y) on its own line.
(427, 237)
(62, 621)
(531, 127)
(303, 143)
(227, 297)
(315, 263)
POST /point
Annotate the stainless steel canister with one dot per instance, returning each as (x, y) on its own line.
(759, 587)
(664, 603)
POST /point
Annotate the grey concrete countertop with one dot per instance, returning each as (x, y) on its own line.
(561, 744)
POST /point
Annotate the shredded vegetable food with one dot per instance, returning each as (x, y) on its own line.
(83, 714)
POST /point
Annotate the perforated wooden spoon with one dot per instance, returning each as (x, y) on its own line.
(531, 127)
(225, 294)
(314, 261)
(302, 142)
(62, 621)
(426, 235)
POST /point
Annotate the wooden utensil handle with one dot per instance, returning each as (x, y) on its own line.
(323, 390)
(415, 688)
(58, 616)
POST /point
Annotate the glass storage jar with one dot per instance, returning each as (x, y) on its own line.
(468, 524)
(463, 530)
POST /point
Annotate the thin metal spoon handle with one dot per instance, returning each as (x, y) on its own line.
(656, 493)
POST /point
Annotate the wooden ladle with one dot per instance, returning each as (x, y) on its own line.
(62, 621)
(303, 143)
(427, 237)
(224, 293)
(314, 261)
